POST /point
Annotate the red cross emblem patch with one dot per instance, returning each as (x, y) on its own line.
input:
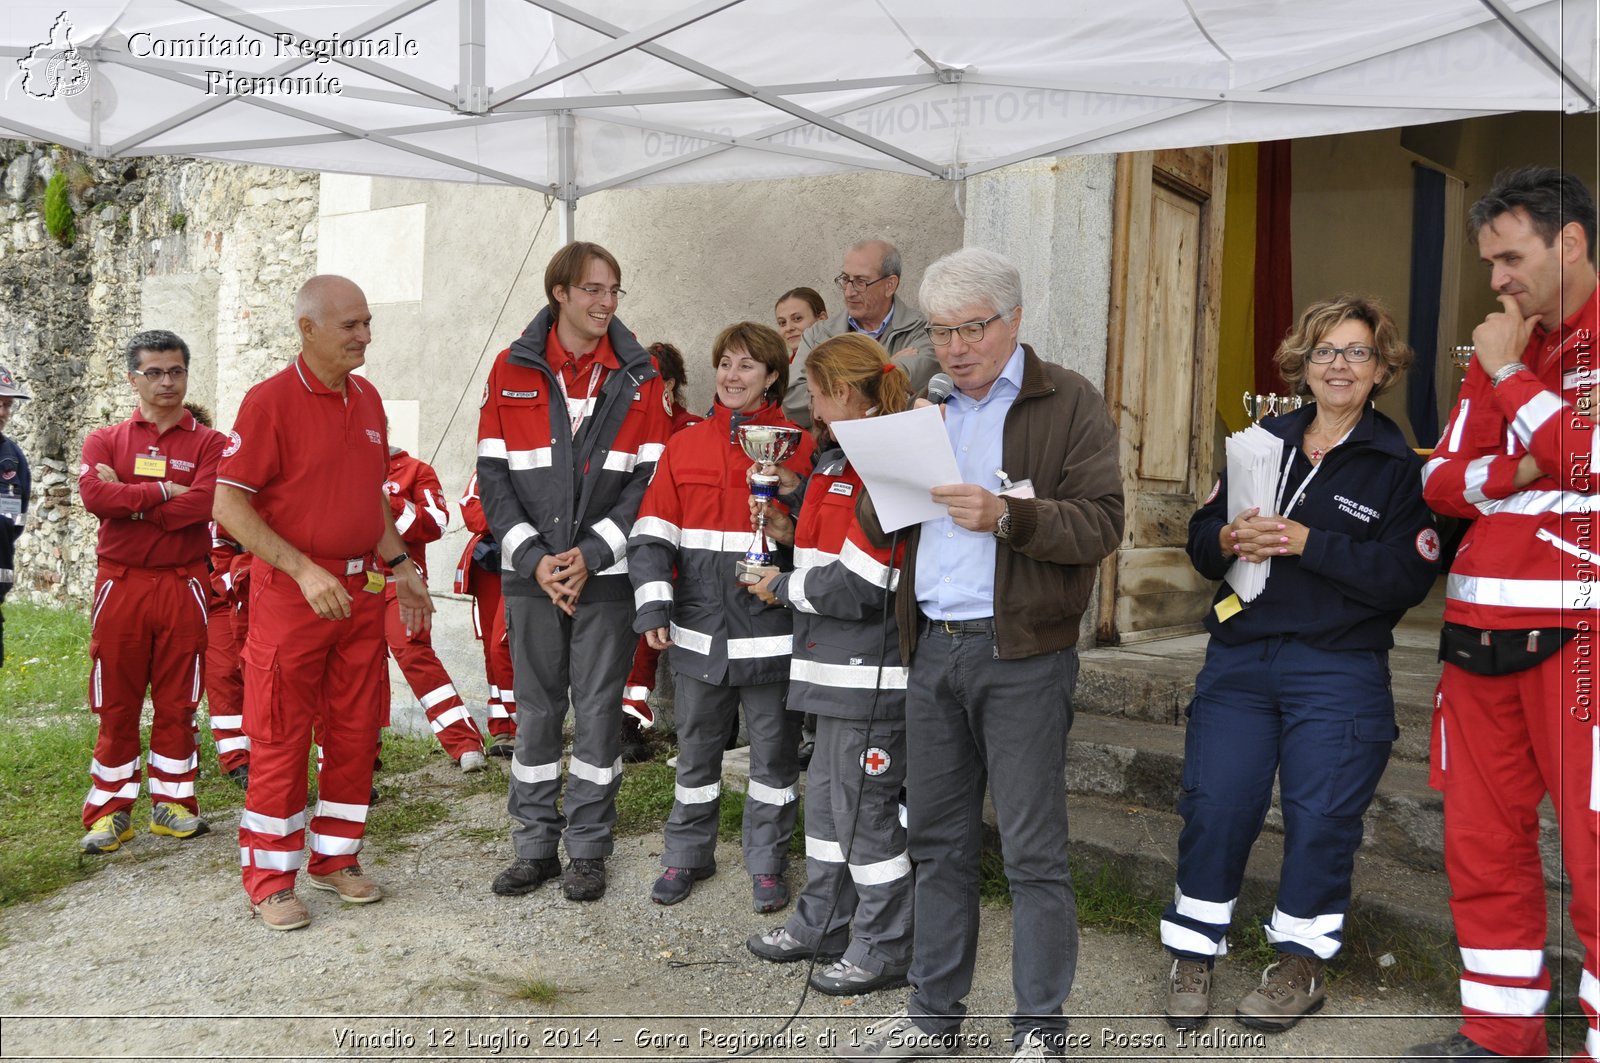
(875, 761)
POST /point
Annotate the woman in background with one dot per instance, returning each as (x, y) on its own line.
(797, 310)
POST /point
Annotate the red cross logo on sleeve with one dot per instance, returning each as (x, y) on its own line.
(875, 761)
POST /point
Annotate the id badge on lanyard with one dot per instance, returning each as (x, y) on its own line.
(577, 414)
(153, 464)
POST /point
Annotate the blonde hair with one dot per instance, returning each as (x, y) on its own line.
(1321, 318)
(858, 362)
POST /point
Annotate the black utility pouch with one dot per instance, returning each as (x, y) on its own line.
(1489, 652)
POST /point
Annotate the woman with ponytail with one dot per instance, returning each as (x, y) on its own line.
(846, 669)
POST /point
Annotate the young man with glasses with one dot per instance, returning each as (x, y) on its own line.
(998, 589)
(573, 418)
(150, 480)
(15, 485)
(870, 281)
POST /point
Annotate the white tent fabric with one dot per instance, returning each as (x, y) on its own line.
(570, 100)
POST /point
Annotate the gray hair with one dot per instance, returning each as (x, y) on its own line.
(970, 275)
(890, 264)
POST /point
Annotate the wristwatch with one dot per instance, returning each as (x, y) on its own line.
(1002, 530)
(395, 562)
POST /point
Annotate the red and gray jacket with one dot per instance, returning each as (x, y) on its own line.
(416, 501)
(544, 494)
(846, 651)
(1528, 561)
(696, 517)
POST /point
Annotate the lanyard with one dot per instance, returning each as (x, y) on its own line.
(577, 416)
(1288, 502)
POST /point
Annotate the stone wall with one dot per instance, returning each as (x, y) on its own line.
(211, 251)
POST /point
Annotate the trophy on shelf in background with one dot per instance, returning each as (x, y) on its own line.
(1266, 405)
(1461, 354)
(765, 445)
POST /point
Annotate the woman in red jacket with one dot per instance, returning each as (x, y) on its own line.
(726, 648)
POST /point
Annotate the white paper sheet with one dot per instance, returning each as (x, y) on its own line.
(901, 459)
(1255, 457)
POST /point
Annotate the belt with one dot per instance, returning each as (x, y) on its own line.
(340, 566)
(981, 626)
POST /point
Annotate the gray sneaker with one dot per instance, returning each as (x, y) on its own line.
(780, 946)
(1188, 994)
(1290, 989)
(846, 979)
(897, 1038)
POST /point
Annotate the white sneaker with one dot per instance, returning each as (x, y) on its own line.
(472, 761)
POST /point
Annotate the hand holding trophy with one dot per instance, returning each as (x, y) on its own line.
(764, 445)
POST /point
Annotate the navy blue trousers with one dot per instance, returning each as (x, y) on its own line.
(1322, 722)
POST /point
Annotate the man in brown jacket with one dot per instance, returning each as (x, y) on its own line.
(998, 588)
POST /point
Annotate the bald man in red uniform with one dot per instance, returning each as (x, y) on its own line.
(301, 488)
(149, 480)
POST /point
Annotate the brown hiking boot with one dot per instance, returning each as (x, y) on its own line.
(282, 911)
(1290, 990)
(1188, 994)
(350, 883)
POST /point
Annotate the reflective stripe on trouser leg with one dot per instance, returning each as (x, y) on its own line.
(425, 674)
(826, 873)
(603, 640)
(703, 713)
(225, 689)
(772, 801)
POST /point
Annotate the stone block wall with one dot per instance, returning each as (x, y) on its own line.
(210, 251)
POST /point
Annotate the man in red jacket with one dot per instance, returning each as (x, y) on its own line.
(1514, 716)
(150, 480)
(416, 502)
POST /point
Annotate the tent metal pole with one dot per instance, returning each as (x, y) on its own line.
(567, 136)
(472, 95)
(1539, 47)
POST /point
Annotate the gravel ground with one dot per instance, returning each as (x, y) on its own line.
(157, 958)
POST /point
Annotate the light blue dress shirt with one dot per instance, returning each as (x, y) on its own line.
(955, 567)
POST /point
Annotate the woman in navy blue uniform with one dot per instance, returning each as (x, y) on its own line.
(1296, 682)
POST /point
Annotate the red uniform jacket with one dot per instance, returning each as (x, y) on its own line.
(141, 523)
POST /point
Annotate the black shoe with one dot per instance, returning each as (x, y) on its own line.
(503, 746)
(1459, 1046)
(372, 798)
(524, 876)
(780, 946)
(240, 775)
(584, 880)
(635, 747)
(676, 882)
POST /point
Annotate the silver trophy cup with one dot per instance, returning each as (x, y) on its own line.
(765, 445)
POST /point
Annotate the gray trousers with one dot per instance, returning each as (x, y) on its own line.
(555, 657)
(851, 813)
(704, 712)
(973, 719)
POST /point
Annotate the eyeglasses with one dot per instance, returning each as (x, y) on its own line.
(594, 291)
(155, 375)
(860, 284)
(971, 331)
(1355, 354)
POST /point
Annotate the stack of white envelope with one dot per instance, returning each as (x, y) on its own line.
(1255, 460)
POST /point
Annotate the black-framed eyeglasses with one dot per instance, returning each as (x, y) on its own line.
(155, 375)
(860, 284)
(594, 291)
(1355, 354)
(971, 331)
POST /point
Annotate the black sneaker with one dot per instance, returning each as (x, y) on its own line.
(240, 776)
(1459, 1046)
(635, 747)
(503, 746)
(525, 876)
(676, 882)
(584, 880)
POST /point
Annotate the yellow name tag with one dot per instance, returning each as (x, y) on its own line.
(150, 465)
(1226, 608)
(375, 582)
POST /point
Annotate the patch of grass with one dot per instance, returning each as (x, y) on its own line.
(533, 990)
(46, 670)
(1110, 899)
(390, 821)
(644, 801)
(58, 216)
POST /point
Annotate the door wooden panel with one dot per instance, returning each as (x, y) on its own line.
(1161, 378)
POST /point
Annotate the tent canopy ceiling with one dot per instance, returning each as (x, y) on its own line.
(570, 100)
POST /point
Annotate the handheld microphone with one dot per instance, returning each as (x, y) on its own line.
(939, 388)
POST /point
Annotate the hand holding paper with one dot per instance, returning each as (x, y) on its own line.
(901, 458)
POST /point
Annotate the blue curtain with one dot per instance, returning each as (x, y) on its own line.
(1427, 273)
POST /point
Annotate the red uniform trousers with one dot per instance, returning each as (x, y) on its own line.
(225, 686)
(452, 724)
(147, 632)
(489, 623)
(299, 669)
(1499, 744)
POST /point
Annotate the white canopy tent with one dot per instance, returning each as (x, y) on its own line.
(622, 93)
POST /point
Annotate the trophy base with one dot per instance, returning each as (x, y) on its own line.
(747, 572)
